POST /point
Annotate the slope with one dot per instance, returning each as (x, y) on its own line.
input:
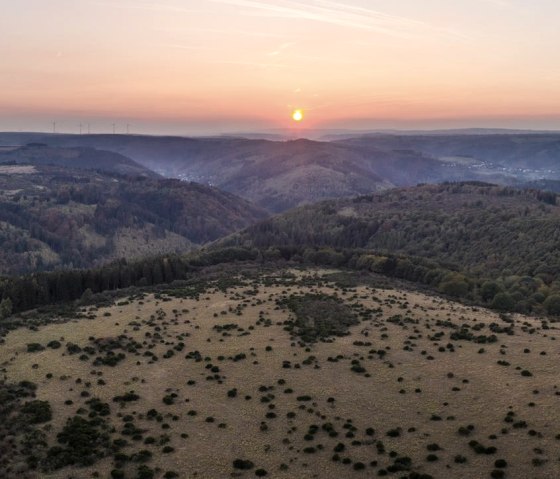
(482, 231)
(75, 157)
(212, 379)
(52, 217)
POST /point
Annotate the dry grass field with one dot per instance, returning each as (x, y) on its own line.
(216, 382)
(17, 170)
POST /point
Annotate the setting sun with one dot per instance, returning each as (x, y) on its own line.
(297, 115)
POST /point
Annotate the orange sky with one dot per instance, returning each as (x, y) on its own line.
(185, 66)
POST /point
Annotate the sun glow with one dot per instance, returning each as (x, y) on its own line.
(297, 115)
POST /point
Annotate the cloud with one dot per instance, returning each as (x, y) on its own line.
(154, 6)
(281, 48)
(499, 3)
(184, 47)
(218, 31)
(336, 13)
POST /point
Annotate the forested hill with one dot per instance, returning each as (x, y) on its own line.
(77, 157)
(279, 175)
(479, 228)
(52, 217)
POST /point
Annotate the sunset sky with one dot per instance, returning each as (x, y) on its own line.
(210, 66)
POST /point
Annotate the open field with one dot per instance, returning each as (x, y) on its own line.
(17, 170)
(215, 381)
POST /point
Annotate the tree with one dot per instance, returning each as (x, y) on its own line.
(86, 296)
(489, 289)
(5, 308)
(503, 302)
(552, 304)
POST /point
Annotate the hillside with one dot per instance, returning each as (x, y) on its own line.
(52, 217)
(483, 231)
(282, 374)
(533, 151)
(544, 185)
(477, 226)
(76, 157)
(276, 175)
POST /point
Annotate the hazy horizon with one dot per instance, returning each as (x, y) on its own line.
(222, 66)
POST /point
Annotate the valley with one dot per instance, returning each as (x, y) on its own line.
(54, 217)
(281, 174)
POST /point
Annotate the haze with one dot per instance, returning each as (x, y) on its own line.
(212, 66)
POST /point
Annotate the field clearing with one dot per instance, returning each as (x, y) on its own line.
(17, 170)
(397, 372)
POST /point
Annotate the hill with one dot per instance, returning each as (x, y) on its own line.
(75, 157)
(526, 156)
(53, 217)
(276, 175)
(480, 230)
(480, 227)
(280, 373)
(544, 185)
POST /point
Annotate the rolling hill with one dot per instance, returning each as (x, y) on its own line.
(76, 157)
(521, 151)
(279, 175)
(479, 227)
(472, 232)
(53, 217)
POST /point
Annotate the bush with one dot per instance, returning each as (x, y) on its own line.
(35, 347)
(144, 472)
(242, 464)
(83, 442)
(37, 411)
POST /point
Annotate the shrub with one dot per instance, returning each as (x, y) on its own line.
(35, 347)
(37, 411)
(144, 472)
(127, 397)
(242, 464)
(83, 442)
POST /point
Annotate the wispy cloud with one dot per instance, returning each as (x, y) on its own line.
(218, 31)
(280, 49)
(499, 3)
(139, 5)
(336, 13)
(247, 64)
(184, 47)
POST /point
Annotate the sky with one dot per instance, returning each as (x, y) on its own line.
(215, 66)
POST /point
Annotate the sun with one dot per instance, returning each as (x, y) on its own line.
(297, 115)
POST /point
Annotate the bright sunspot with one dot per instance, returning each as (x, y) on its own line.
(297, 115)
